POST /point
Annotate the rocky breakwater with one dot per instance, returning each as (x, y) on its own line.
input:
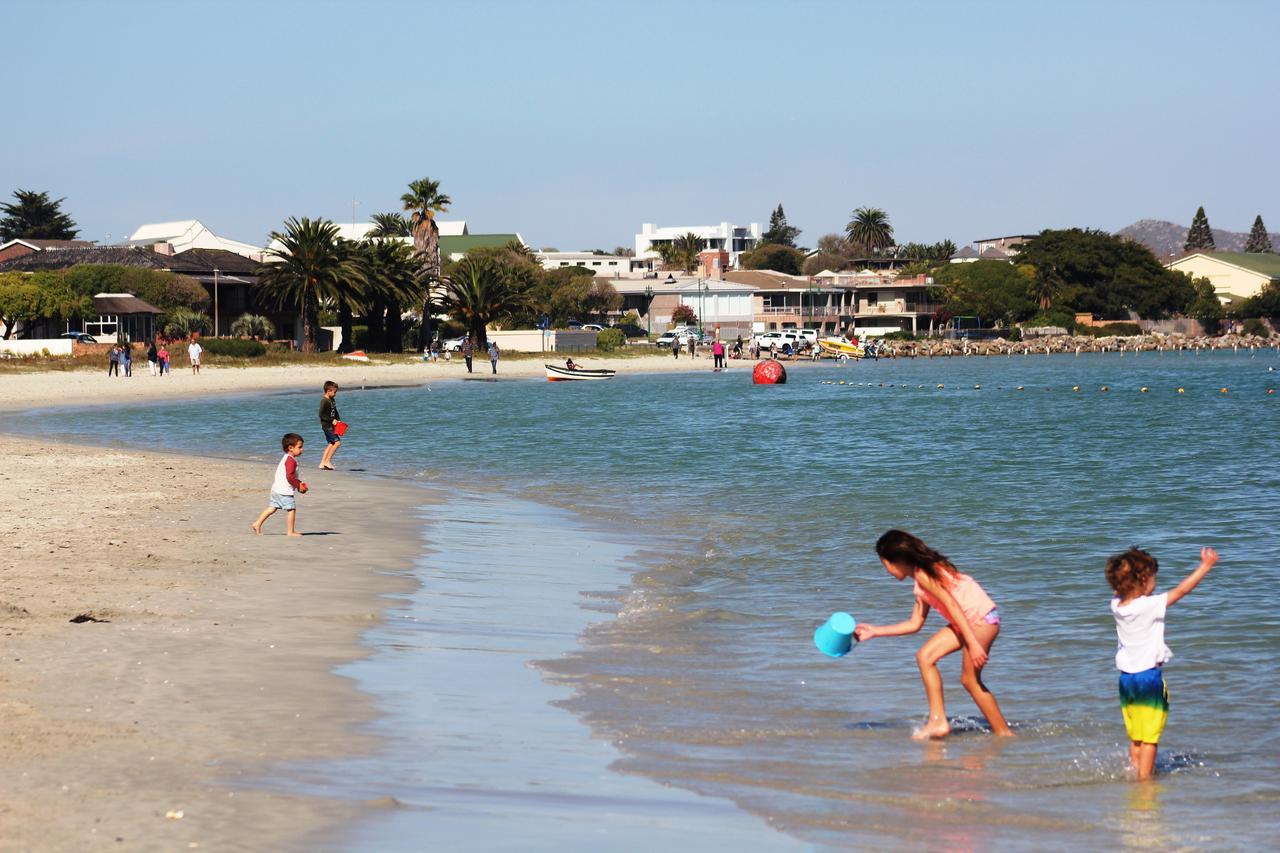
(1071, 345)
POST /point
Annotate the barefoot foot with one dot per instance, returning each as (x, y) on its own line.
(295, 534)
(256, 529)
(932, 729)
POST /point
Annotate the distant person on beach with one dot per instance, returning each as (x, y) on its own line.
(153, 357)
(675, 347)
(773, 350)
(328, 417)
(164, 359)
(468, 351)
(973, 623)
(435, 350)
(113, 360)
(126, 358)
(283, 487)
(494, 352)
(693, 347)
(717, 354)
(1141, 654)
(193, 352)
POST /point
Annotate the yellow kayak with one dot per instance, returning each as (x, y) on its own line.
(840, 346)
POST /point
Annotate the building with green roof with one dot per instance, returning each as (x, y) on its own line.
(1235, 275)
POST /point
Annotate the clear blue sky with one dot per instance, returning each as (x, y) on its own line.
(574, 122)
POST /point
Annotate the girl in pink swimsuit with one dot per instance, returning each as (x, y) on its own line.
(972, 625)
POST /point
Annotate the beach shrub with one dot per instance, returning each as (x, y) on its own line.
(899, 336)
(183, 322)
(1110, 330)
(253, 326)
(610, 339)
(1254, 326)
(684, 314)
(234, 347)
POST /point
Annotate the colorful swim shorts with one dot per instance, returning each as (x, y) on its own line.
(1144, 701)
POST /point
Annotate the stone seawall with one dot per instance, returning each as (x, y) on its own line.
(1073, 345)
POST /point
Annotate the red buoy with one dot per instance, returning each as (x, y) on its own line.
(769, 372)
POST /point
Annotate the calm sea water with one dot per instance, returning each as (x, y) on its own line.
(756, 509)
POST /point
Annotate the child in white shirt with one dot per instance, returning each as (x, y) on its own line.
(1144, 699)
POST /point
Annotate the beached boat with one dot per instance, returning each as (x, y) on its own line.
(565, 374)
(840, 346)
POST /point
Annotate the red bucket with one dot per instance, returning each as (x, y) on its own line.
(339, 428)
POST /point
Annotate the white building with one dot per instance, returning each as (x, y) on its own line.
(608, 266)
(189, 234)
(357, 231)
(734, 239)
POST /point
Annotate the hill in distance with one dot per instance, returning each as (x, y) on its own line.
(1166, 239)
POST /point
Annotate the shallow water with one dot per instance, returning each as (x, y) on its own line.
(757, 508)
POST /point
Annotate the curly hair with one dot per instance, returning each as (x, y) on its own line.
(289, 440)
(1128, 572)
(903, 549)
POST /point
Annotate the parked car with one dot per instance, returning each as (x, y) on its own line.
(630, 330)
(782, 339)
(573, 324)
(810, 335)
(79, 337)
(453, 344)
(592, 327)
(682, 335)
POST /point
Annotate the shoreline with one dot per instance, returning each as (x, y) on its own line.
(190, 638)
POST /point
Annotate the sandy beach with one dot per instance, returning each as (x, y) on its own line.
(155, 652)
(31, 390)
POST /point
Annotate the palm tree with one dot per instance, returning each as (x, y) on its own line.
(253, 326)
(870, 227)
(389, 225)
(479, 290)
(309, 266)
(425, 200)
(688, 246)
(392, 282)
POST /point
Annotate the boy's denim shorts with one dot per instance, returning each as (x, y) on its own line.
(285, 502)
(330, 436)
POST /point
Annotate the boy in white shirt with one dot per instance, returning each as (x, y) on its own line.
(1144, 699)
(285, 484)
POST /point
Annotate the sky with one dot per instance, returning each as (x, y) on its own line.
(573, 123)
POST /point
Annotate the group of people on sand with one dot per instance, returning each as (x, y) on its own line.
(287, 484)
(120, 358)
(973, 623)
(431, 352)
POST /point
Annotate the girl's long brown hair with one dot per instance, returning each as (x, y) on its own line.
(903, 549)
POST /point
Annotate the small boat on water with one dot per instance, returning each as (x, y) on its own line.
(556, 373)
(839, 346)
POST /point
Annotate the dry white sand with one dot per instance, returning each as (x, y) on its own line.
(92, 387)
(213, 658)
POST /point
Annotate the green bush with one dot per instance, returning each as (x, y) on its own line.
(898, 336)
(610, 339)
(1108, 330)
(1254, 326)
(253, 326)
(359, 339)
(234, 347)
(1013, 334)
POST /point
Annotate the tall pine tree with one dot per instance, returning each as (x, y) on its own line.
(1259, 240)
(779, 231)
(37, 217)
(1200, 237)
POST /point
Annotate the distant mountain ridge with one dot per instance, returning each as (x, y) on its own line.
(1166, 239)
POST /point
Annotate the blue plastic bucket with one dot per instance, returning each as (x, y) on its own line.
(834, 637)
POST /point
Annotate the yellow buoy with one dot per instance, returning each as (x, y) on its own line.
(1143, 389)
(1182, 390)
(1075, 387)
(1105, 388)
(841, 381)
(976, 387)
(1223, 391)
(940, 385)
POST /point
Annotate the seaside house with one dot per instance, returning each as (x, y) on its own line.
(1235, 275)
(885, 300)
(602, 266)
(185, 234)
(734, 239)
(26, 246)
(784, 301)
(724, 305)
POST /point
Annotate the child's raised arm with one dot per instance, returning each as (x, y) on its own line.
(865, 631)
(1208, 557)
